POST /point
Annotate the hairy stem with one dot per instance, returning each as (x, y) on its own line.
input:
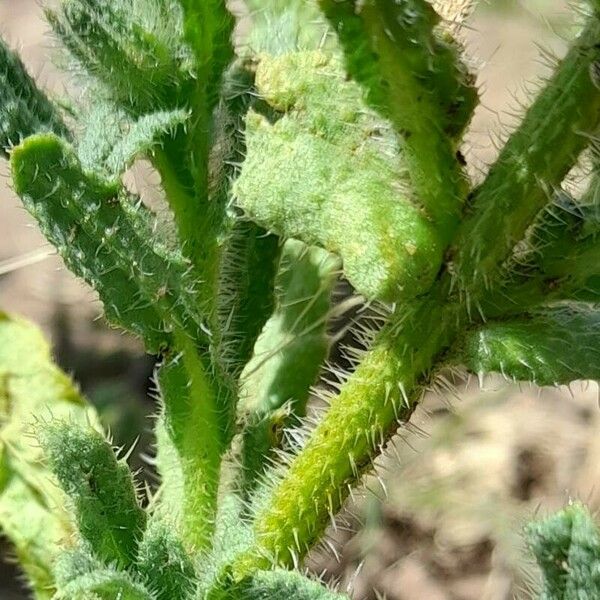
(416, 80)
(190, 458)
(382, 392)
(532, 164)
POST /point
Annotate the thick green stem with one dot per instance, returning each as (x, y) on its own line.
(381, 393)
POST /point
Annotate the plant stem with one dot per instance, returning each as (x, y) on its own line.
(383, 391)
(533, 163)
(190, 459)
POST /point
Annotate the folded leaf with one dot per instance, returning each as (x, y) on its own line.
(108, 241)
(324, 168)
(100, 487)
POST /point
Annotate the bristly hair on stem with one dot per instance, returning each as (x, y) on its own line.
(313, 149)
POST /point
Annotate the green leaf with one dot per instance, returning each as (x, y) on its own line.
(323, 168)
(565, 261)
(135, 48)
(410, 70)
(532, 164)
(550, 347)
(567, 548)
(142, 136)
(559, 259)
(233, 536)
(249, 256)
(246, 297)
(413, 75)
(101, 127)
(100, 487)
(208, 28)
(163, 564)
(109, 241)
(24, 108)
(111, 140)
(33, 513)
(107, 584)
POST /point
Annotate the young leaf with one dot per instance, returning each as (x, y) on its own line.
(141, 137)
(100, 487)
(33, 514)
(110, 140)
(74, 562)
(24, 108)
(324, 168)
(282, 26)
(567, 548)
(135, 48)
